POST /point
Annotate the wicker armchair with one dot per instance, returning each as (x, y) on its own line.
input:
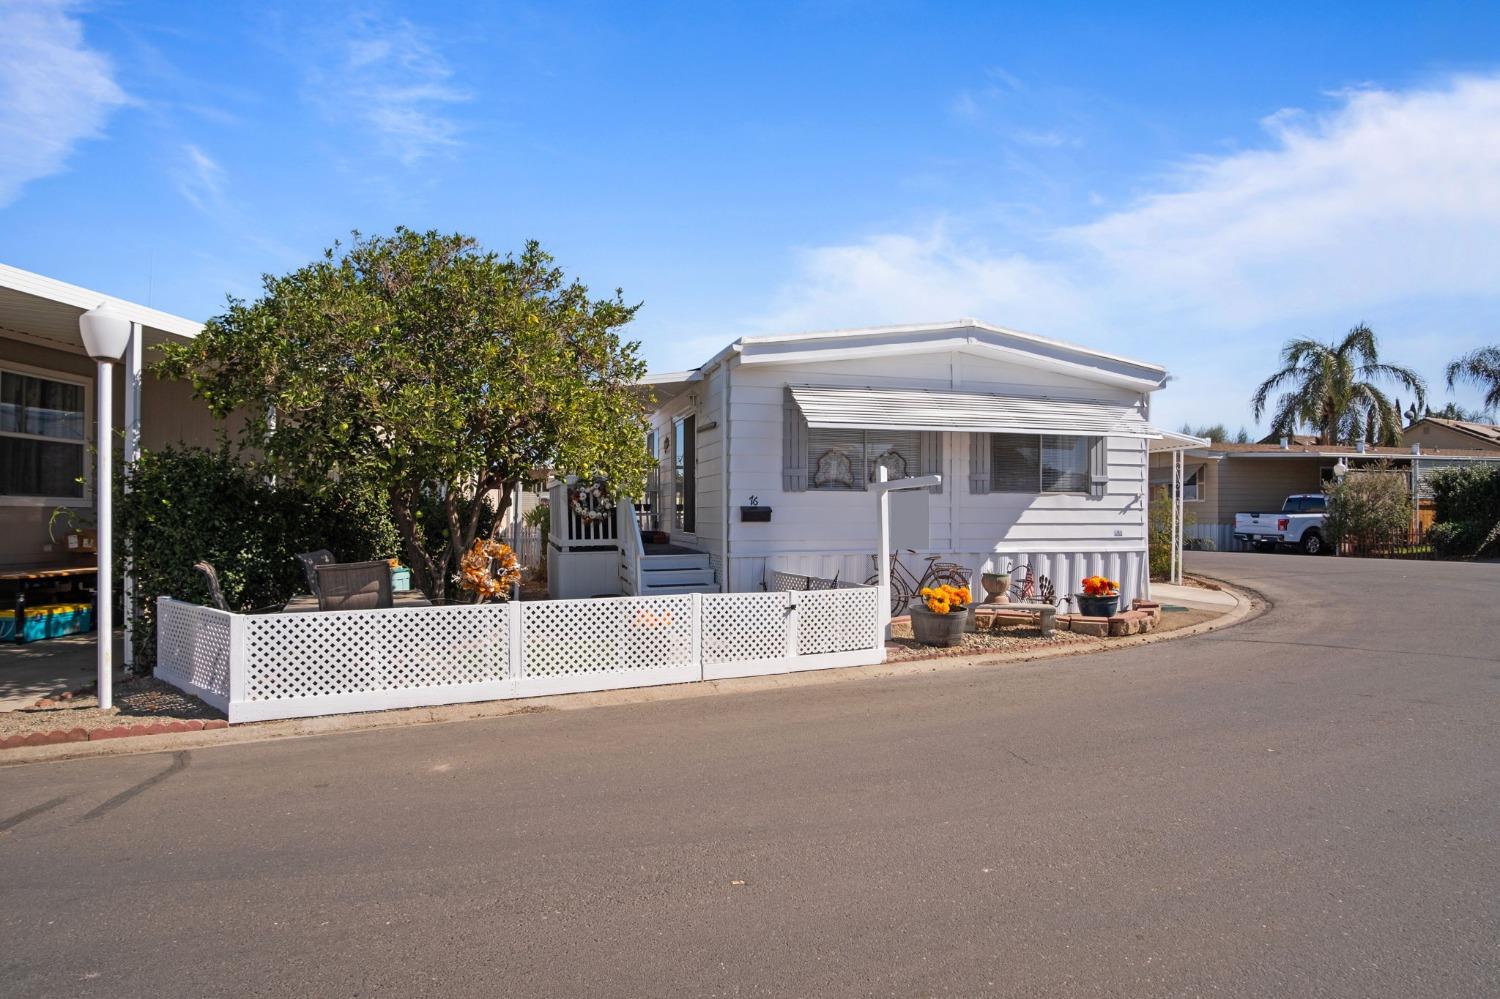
(353, 585)
(310, 562)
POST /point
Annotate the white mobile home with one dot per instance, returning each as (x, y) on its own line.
(1042, 447)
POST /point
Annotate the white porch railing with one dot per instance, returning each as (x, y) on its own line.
(632, 551)
(263, 666)
(569, 527)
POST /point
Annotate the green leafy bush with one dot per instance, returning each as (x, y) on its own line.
(1367, 507)
(1467, 514)
(180, 506)
(1159, 532)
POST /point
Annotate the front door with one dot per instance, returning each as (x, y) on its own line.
(684, 484)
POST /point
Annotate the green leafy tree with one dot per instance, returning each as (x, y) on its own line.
(432, 371)
(1482, 368)
(1332, 388)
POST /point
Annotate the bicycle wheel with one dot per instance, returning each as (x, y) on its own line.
(901, 594)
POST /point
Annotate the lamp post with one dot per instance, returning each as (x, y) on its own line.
(105, 336)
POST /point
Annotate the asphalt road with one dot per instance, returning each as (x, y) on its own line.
(1304, 805)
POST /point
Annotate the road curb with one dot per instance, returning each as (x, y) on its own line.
(1248, 605)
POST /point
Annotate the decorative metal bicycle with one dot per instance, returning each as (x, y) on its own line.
(905, 586)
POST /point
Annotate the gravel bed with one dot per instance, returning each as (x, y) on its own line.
(1010, 638)
(137, 700)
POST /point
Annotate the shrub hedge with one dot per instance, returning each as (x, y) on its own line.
(1467, 511)
(183, 505)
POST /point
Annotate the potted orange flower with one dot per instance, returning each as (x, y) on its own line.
(1100, 597)
(938, 618)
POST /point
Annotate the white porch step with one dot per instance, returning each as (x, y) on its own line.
(656, 577)
(693, 560)
(682, 573)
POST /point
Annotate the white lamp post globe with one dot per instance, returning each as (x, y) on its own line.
(106, 333)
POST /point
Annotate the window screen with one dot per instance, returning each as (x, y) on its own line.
(850, 459)
(1014, 462)
(1032, 463)
(1065, 464)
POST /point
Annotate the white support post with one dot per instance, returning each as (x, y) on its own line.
(131, 453)
(883, 550)
(697, 649)
(104, 502)
(883, 489)
(515, 532)
(1177, 463)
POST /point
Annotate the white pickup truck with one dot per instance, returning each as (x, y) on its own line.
(1299, 523)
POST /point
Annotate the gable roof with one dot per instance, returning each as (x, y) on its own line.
(1487, 432)
(968, 335)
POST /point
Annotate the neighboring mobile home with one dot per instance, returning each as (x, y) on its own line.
(1042, 447)
(1222, 479)
(47, 422)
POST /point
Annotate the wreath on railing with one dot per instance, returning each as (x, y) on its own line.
(591, 501)
(488, 570)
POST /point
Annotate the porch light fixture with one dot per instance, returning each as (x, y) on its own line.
(105, 334)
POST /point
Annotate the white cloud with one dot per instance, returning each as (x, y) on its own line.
(388, 77)
(1388, 202)
(200, 179)
(55, 91)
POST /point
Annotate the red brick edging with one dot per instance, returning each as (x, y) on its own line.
(61, 735)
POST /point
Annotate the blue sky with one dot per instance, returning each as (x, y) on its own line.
(1184, 184)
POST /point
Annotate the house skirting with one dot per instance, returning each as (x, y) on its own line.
(1065, 569)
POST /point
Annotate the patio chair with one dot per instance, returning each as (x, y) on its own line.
(216, 593)
(211, 576)
(310, 562)
(354, 585)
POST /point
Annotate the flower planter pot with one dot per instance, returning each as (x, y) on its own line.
(996, 585)
(1097, 606)
(944, 630)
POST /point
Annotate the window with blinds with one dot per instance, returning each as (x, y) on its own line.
(41, 436)
(1040, 463)
(850, 459)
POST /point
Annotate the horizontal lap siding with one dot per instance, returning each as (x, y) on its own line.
(841, 524)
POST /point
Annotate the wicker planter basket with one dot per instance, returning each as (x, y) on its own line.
(944, 630)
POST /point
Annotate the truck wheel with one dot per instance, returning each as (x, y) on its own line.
(1312, 543)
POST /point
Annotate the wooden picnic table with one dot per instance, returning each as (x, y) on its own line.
(305, 602)
(33, 578)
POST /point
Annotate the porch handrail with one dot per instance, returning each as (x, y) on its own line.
(568, 528)
(632, 550)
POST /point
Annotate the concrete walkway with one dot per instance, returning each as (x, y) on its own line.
(1190, 596)
(36, 668)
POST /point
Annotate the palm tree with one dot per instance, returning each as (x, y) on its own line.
(1481, 367)
(1332, 390)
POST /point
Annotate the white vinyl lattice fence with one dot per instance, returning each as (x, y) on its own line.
(256, 667)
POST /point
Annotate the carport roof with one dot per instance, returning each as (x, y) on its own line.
(44, 310)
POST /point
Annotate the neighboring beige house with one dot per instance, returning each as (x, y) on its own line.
(1436, 432)
(47, 421)
(1224, 479)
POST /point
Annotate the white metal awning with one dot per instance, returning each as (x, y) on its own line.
(1170, 441)
(841, 407)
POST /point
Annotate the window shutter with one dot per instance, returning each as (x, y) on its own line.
(1098, 466)
(979, 464)
(793, 446)
(932, 457)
